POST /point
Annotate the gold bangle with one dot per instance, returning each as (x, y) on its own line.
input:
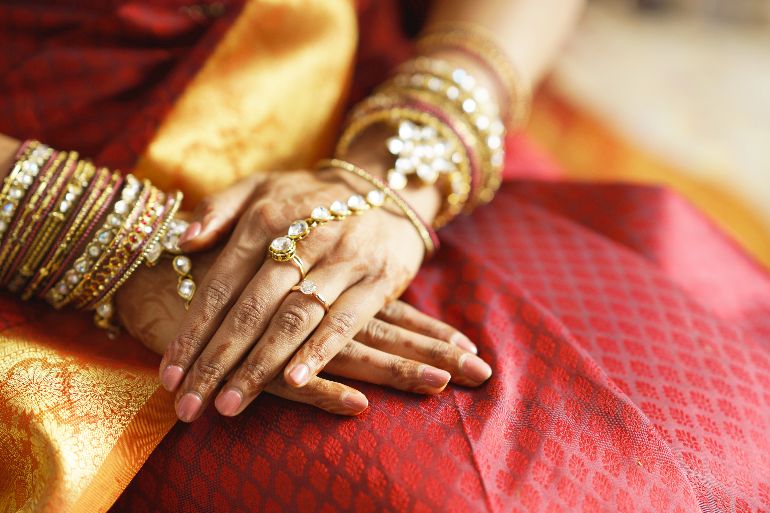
(458, 188)
(169, 214)
(117, 255)
(410, 214)
(19, 180)
(91, 204)
(477, 41)
(67, 202)
(30, 215)
(72, 282)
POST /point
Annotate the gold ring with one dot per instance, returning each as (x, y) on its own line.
(309, 288)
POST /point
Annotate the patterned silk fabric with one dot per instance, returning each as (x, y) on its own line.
(629, 339)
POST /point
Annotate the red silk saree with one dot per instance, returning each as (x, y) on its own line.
(628, 336)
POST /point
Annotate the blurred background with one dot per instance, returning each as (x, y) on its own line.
(673, 92)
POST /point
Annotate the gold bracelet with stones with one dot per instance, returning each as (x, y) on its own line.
(50, 180)
(118, 253)
(72, 280)
(423, 130)
(377, 198)
(23, 173)
(49, 231)
(64, 246)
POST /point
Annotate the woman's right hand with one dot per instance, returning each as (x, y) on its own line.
(401, 348)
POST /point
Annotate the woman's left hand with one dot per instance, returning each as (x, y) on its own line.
(246, 323)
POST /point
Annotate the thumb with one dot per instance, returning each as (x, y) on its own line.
(215, 215)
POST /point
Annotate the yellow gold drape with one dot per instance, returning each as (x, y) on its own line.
(80, 414)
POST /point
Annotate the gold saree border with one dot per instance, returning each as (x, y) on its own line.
(143, 434)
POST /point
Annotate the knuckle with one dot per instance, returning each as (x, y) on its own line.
(318, 353)
(187, 345)
(207, 205)
(254, 375)
(268, 216)
(400, 368)
(217, 293)
(341, 323)
(379, 332)
(249, 313)
(394, 310)
(440, 352)
(293, 319)
(209, 372)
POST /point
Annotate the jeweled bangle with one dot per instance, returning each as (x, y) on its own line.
(478, 44)
(69, 233)
(54, 291)
(117, 254)
(488, 158)
(73, 278)
(458, 183)
(128, 251)
(29, 159)
(456, 88)
(428, 236)
(103, 312)
(33, 212)
(64, 208)
(415, 100)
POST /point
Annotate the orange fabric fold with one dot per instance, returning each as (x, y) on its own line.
(79, 414)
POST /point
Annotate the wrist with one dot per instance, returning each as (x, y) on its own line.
(370, 152)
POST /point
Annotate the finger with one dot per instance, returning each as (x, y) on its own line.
(465, 368)
(364, 363)
(407, 316)
(234, 267)
(296, 318)
(216, 215)
(327, 395)
(346, 317)
(243, 324)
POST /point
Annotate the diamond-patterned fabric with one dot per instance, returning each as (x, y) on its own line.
(618, 386)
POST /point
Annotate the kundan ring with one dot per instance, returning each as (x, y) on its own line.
(309, 288)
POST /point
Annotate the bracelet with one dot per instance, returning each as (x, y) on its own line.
(51, 227)
(479, 44)
(479, 181)
(33, 211)
(69, 233)
(30, 158)
(454, 89)
(459, 177)
(428, 236)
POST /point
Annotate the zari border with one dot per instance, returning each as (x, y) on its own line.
(145, 431)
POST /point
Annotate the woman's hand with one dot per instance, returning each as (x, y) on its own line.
(245, 324)
(393, 349)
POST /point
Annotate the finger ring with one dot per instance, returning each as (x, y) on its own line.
(309, 288)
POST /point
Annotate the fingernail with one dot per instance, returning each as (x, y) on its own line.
(356, 402)
(474, 368)
(228, 402)
(192, 231)
(171, 377)
(435, 377)
(188, 406)
(300, 374)
(464, 342)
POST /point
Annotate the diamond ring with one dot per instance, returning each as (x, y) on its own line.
(309, 288)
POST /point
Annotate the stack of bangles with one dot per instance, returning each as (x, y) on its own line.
(72, 234)
(447, 129)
